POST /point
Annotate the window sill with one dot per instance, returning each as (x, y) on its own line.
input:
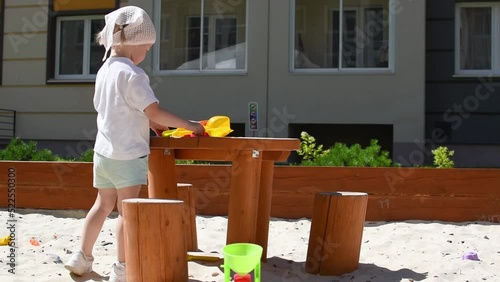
(71, 81)
(200, 73)
(342, 72)
(476, 75)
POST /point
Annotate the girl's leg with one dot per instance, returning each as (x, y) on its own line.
(103, 206)
(123, 193)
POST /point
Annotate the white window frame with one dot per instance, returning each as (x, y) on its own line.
(86, 48)
(330, 32)
(495, 40)
(212, 33)
(156, 49)
(392, 44)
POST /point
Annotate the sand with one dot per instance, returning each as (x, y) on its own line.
(391, 251)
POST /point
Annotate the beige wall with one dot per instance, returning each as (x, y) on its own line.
(203, 96)
(394, 98)
(66, 112)
(25, 42)
(44, 111)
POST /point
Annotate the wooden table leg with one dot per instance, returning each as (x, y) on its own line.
(264, 209)
(162, 182)
(244, 198)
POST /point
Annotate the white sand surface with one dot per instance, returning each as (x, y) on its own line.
(391, 251)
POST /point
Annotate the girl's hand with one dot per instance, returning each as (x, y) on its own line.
(197, 128)
(157, 128)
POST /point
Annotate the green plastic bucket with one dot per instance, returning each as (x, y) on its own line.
(242, 258)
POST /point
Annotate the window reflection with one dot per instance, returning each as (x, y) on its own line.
(218, 42)
(79, 55)
(96, 50)
(71, 47)
(475, 38)
(355, 35)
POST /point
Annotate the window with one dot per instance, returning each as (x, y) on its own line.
(201, 36)
(477, 39)
(78, 56)
(342, 35)
(73, 53)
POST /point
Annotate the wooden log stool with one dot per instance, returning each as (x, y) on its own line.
(155, 248)
(186, 194)
(336, 233)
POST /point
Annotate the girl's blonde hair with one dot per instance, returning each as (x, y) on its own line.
(118, 28)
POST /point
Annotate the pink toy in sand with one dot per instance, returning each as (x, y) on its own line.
(470, 256)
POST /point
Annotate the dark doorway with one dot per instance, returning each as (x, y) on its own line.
(349, 134)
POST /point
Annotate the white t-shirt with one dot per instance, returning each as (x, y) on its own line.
(122, 92)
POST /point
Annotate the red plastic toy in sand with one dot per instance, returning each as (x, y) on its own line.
(245, 278)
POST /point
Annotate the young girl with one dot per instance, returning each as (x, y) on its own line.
(126, 109)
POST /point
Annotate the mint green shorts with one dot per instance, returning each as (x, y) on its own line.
(109, 173)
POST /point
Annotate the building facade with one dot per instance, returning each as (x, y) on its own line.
(343, 70)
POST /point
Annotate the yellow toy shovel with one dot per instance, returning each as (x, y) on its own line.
(208, 257)
(216, 126)
(4, 240)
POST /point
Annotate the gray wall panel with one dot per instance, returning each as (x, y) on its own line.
(440, 35)
(475, 155)
(467, 129)
(481, 96)
(439, 9)
(474, 100)
(440, 66)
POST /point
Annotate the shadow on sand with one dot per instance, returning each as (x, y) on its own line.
(77, 214)
(93, 276)
(278, 269)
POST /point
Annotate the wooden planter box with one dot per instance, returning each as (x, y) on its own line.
(454, 195)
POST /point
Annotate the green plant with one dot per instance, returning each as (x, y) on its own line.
(17, 150)
(442, 157)
(196, 162)
(342, 155)
(309, 150)
(184, 162)
(87, 156)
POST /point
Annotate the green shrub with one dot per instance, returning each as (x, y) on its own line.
(18, 150)
(196, 162)
(184, 162)
(442, 157)
(87, 156)
(343, 155)
(309, 150)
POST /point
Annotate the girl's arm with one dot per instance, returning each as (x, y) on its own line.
(164, 118)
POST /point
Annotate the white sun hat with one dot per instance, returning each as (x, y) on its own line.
(133, 22)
